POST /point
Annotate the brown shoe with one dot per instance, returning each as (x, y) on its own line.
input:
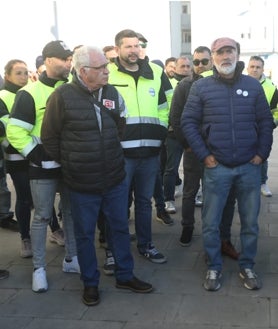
(229, 250)
(135, 285)
(91, 296)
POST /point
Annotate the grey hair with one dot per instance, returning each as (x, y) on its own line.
(81, 56)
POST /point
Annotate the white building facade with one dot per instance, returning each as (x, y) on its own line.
(253, 23)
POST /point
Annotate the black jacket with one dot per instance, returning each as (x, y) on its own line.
(178, 102)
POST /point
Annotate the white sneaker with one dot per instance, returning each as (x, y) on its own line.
(199, 201)
(265, 190)
(39, 283)
(71, 267)
(199, 198)
(178, 190)
(170, 207)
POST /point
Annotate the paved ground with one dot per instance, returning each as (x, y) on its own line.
(179, 300)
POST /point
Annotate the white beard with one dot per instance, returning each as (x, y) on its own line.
(226, 70)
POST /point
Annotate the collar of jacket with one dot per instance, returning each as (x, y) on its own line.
(13, 88)
(262, 79)
(49, 81)
(179, 77)
(76, 81)
(145, 69)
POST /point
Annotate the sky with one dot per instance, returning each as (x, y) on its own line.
(26, 25)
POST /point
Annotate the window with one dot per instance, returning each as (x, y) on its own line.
(185, 9)
(186, 36)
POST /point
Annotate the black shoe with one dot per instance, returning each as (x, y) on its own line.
(9, 223)
(186, 236)
(4, 274)
(102, 240)
(164, 218)
(135, 285)
(90, 296)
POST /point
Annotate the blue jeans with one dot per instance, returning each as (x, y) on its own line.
(193, 172)
(217, 183)
(43, 194)
(228, 215)
(85, 211)
(143, 173)
(23, 202)
(174, 151)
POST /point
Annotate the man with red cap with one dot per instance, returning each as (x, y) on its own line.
(228, 125)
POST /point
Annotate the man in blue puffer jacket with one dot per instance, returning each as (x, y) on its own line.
(228, 124)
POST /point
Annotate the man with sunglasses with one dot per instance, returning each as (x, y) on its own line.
(192, 170)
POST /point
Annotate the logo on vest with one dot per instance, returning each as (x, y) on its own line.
(152, 92)
(109, 104)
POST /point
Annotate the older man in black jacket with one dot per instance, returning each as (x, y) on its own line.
(81, 130)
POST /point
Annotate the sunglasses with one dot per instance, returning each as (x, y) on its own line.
(143, 45)
(204, 61)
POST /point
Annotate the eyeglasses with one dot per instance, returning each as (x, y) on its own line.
(143, 45)
(21, 72)
(101, 67)
(204, 61)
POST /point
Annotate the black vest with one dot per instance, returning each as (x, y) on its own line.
(92, 160)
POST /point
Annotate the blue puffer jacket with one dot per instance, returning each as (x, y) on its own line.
(230, 119)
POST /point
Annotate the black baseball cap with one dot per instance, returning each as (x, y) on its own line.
(56, 49)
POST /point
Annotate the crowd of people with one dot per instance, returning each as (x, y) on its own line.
(106, 128)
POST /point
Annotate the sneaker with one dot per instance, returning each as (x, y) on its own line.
(90, 296)
(39, 283)
(198, 201)
(135, 285)
(178, 190)
(228, 249)
(4, 274)
(265, 190)
(250, 279)
(170, 207)
(153, 255)
(164, 218)
(186, 236)
(57, 237)
(26, 249)
(109, 264)
(199, 198)
(212, 281)
(71, 266)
